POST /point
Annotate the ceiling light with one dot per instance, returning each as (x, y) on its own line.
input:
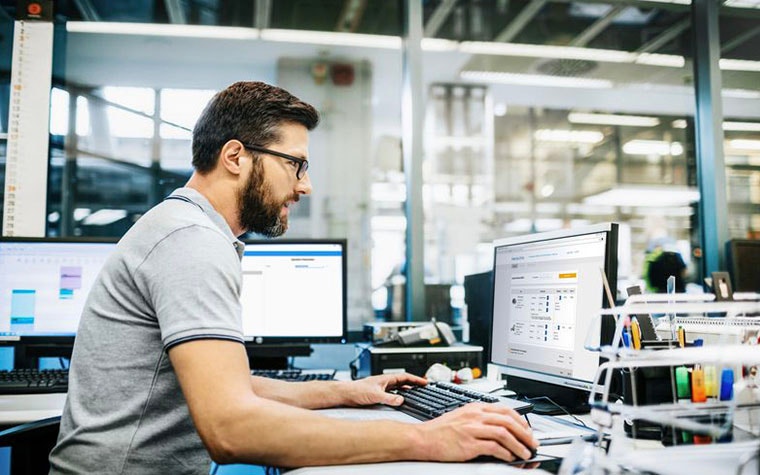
(742, 3)
(534, 79)
(569, 136)
(641, 196)
(500, 109)
(652, 147)
(679, 2)
(744, 144)
(102, 217)
(612, 119)
(547, 190)
(332, 38)
(740, 93)
(742, 126)
(547, 51)
(159, 29)
(679, 124)
(667, 60)
(739, 65)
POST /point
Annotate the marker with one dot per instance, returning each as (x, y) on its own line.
(727, 384)
(626, 338)
(711, 382)
(636, 333)
(698, 385)
(682, 383)
(681, 337)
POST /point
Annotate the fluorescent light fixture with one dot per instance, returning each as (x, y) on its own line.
(102, 217)
(679, 124)
(547, 190)
(569, 136)
(645, 196)
(742, 3)
(667, 60)
(652, 147)
(534, 79)
(439, 44)
(332, 38)
(547, 51)
(740, 93)
(744, 144)
(459, 142)
(678, 2)
(742, 126)
(739, 65)
(159, 29)
(612, 119)
(81, 213)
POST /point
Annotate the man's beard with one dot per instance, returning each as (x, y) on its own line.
(259, 210)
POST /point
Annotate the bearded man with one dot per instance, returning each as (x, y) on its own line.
(159, 379)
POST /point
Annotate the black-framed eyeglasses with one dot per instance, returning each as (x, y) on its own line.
(303, 164)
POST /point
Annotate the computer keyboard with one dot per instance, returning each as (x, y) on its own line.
(34, 381)
(436, 398)
(295, 374)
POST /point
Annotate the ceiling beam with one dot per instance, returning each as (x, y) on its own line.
(176, 12)
(521, 20)
(739, 39)
(438, 18)
(87, 10)
(663, 38)
(597, 27)
(263, 13)
(351, 16)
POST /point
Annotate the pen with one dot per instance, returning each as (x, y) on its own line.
(681, 337)
(567, 440)
(635, 334)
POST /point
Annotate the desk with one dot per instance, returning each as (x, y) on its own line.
(415, 468)
(20, 408)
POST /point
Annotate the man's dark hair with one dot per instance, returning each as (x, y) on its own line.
(663, 266)
(250, 112)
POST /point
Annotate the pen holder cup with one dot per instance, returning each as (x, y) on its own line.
(643, 387)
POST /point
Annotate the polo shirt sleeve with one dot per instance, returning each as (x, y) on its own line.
(193, 279)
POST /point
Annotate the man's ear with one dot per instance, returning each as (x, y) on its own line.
(229, 157)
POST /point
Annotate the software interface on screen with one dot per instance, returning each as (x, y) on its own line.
(546, 295)
(293, 290)
(44, 285)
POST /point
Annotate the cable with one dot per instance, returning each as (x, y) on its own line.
(561, 408)
(62, 362)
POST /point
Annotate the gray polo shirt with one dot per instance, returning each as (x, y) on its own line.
(174, 277)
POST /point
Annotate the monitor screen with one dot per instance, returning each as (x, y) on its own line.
(548, 290)
(44, 283)
(743, 256)
(294, 291)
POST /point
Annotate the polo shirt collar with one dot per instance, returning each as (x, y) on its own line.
(199, 200)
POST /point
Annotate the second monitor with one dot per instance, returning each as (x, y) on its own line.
(548, 289)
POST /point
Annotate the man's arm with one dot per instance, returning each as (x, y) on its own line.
(237, 425)
(323, 394)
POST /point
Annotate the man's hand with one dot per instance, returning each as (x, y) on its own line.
(478, 429)
(374, 389)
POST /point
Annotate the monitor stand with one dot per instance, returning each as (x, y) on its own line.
(549, 399)
(275, 356)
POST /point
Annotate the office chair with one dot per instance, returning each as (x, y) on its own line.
(31, 444)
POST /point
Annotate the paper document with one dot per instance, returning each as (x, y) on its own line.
(547, 428)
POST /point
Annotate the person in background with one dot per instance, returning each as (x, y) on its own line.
(159, 379)
(659, 265)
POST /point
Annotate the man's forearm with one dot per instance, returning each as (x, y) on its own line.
(297, 438)
(308, 395)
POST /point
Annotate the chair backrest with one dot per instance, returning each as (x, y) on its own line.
(31, 444)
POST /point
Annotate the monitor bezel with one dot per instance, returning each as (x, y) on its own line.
(256, 341)
(607, 328)
(53, 343)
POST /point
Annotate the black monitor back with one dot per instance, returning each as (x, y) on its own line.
(743, 261)
(478, 296)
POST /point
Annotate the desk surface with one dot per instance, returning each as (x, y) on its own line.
(21, 408)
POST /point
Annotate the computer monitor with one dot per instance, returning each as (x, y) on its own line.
(44, 284)
(548, 290)
(294, 291)
(743, 257)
